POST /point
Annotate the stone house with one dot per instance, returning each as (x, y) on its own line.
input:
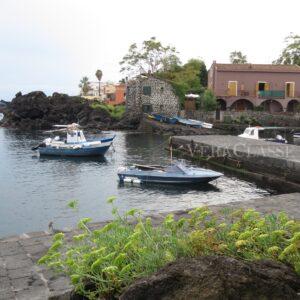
(240, 87)
(148, 94)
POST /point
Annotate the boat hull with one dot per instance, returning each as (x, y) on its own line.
(167, 180)
(95, 151)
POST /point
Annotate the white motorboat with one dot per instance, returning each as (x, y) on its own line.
(264, 133)
(74, 145)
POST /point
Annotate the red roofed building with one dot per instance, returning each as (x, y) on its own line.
(239, 87)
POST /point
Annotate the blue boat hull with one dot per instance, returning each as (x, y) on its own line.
(167, 179)
(95, 151)
(164, 119)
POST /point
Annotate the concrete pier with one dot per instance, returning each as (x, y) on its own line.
(279, 160)
(21, 278)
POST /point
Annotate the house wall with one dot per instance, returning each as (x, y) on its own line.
(247, 97)
(249, 79)
(119, 95)
(162, 98)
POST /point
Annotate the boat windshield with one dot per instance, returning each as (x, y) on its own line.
(247, 131)
(175, 169)
(269, 133)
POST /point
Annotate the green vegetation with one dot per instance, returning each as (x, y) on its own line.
(290, 55)
(209, 101)
(102, 262)
(163, 62)
(242, 120)
(246, 120)
(115, 112)
(152, 57)
(85, 85)
(236, 57)
(189, 78)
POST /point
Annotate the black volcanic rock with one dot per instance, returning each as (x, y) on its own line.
(37, 111)
(215, 278)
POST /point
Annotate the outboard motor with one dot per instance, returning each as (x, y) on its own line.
(42, 144)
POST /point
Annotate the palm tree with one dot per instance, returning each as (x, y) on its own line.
(99, 77)
(84, 85)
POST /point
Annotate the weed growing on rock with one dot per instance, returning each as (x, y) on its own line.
(115, 112)
(102, 262)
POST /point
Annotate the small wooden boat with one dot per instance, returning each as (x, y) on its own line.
(203, 124)
(188, 122)
(194, 123)
(75, 144)
(174, 120)
(164, 119)
(174, 174)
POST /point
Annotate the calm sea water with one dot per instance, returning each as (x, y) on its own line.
(35, 191)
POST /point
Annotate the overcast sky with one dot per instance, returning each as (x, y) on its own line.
(50, 44)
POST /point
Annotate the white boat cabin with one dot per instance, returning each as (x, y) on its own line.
(75, 136)
(263, 133)
(251, 133)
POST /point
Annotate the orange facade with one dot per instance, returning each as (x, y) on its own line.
(119, 97)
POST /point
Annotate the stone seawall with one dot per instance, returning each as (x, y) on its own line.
(262, 118)
(267, 158)
(21, 277)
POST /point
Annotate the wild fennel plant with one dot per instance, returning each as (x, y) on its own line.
(102, 262)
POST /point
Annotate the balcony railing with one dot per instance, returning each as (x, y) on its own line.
(271, 94)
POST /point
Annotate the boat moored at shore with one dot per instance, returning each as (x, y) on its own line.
(173, 174)
(270, 134)
(75, 144)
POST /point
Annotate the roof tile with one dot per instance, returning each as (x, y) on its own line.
(258, 68)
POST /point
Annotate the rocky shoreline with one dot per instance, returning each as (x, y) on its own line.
(38, 111)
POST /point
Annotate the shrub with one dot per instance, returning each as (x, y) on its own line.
(209, 101)
(115, 112)
(102, 262)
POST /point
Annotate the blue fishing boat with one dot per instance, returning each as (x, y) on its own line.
(164, 119)
(74, 145)
(174, 174)
(158, 117)
(173, 120)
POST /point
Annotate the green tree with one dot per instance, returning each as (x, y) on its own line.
(290, 55)
(198, 68)
(152, 56)
(84, 86)
(209, 101)
(236, 57)
(189, 78)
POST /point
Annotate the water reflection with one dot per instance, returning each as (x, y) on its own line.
(72, 160)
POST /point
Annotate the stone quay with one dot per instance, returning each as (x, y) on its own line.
(275, 162)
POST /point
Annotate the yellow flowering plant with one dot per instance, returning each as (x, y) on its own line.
(130, 247)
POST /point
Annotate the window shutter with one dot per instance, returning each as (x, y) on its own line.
(267, 86)
(292, 92)
(256, 89)
(147, 90)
